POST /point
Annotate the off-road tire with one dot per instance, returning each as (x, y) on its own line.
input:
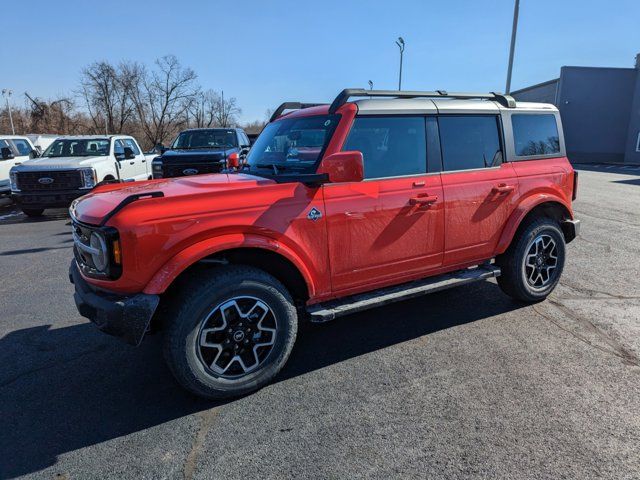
(194, 302)
(33, 212)
(513, 279)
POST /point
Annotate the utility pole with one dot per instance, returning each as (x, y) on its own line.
(224, 120)
(400, 43)
(514, 30)
(7, 93)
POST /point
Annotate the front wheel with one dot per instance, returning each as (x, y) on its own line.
(532, 265)
(231, 333)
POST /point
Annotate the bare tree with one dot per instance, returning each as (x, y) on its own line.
(227, 111)
(162, 97)
(202, 109)
(107, 94)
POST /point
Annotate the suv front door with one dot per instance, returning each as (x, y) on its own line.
(480, 190)
(390, 226)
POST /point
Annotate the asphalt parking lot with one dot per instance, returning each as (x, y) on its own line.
(462, 383)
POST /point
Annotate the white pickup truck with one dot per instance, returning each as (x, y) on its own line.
(71, 166)
(14, 150)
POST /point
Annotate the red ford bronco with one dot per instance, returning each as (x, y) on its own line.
(338, 208)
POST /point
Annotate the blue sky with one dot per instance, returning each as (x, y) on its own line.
(266, 52)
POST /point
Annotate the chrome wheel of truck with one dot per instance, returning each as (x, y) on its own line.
(237, 337)
(540, 263)
(229, 331)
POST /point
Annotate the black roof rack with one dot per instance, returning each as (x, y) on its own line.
(291, 106)
(344, 95)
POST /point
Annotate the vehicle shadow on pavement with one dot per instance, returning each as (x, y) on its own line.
(64, 389)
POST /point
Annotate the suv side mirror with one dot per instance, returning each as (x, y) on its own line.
(343, 167)
(128, 153)
(160, 148)
(6, 153)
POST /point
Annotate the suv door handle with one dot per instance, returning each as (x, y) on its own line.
(503, 188)
(132, 163)
(424, 200)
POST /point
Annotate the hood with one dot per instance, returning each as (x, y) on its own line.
(92, 208)
(203, 155)
(59, 163)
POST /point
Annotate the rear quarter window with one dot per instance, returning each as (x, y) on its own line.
(535, 134)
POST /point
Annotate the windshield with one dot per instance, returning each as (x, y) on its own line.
(94, 147)
(218, 138)
(292, 144)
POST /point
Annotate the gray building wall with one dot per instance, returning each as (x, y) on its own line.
(600, 109)
(542, 92)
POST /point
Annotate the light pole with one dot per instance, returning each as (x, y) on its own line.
(7, 93)
(370, 85)
(514, 29)
(400, 43)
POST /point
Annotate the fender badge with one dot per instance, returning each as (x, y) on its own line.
(190, 171)
(314, 214)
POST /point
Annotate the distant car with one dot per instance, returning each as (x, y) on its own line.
(72, 166)
(14, 149)
(200, 150)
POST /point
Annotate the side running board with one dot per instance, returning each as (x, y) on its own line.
(323, 312)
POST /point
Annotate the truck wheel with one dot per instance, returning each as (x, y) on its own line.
(231, 332)
(33, 212)
(532, 265)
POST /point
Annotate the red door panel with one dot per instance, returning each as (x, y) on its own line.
(383, 230)
(477, 206)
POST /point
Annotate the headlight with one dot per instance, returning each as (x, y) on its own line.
(99, 254)
(156, 166)
(88, 178)
(13, 178)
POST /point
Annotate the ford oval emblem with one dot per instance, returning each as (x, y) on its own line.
(189, 171)
(45, 180)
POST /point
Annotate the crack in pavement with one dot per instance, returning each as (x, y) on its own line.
(591, 291)
(617, 349)
(206, 420)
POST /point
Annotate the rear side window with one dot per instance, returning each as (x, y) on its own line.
(390, 146)
(535, 134)
(471, 141)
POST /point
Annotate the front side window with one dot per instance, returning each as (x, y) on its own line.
(22, 146)
(118, 148)
(535, 134)
(390, 146)
(132, 145)
(470, 141)
(292, 144)
(210, 138)
(78, 148)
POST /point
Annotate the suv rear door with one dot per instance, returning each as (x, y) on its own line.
(388, 227)
(480, 190)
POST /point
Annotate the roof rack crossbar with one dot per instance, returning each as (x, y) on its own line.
(344, 95)
(291, 106)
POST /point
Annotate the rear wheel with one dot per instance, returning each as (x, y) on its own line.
(231, 333)
(532, 265)
(33, 212)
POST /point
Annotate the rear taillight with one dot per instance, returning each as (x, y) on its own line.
(575, 185)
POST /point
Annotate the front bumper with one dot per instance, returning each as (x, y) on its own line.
(571, 229)
(124, 316)
(56, 199)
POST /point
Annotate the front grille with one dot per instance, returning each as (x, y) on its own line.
(81, 235)
(49, 180)
(200, 168)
